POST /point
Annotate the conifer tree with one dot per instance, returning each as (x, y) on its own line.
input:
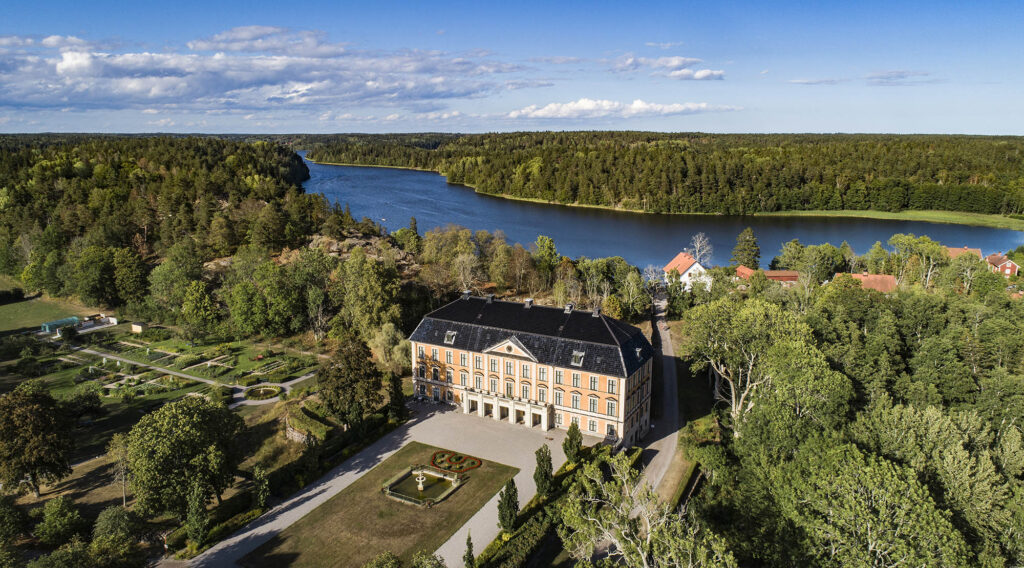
(747, 252)
(508, 506)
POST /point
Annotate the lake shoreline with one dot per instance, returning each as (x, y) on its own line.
(925, 215)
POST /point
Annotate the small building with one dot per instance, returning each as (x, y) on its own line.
(785, 277)
(53, 326)
(139, 326)
(1001, 264)
(884, 283)
(955, 252)
(690, 271)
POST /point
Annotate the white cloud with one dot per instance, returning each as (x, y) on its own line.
(556, 59)
(62, 42)
(664, 44)
(161, 122)
(898, 78)
(602, 108)
(816, 81)
(673, 67)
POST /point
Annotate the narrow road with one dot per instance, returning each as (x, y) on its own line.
(662, 442)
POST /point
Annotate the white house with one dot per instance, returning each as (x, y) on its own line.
(690, 271)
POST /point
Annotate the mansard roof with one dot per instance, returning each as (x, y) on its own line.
(611, 347)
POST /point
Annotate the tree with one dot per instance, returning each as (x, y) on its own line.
(169, 280)
(247, 308)
(197, 520)
(625, 514)
(93, 276)
(117, 451)
(185, 442)
(260, 486)
(746, 251)
(385, 559)
(350, 384)
(468, 559)
(700, 249)
(12, 521)
(74, 554)
(547, 256)
(130, 276)
(862, 510)
(116, 524)
(572, 445)
(35, 438)
(543, 476)
(396, 398)
(508, 506)
(424, 559)
(198, 311)
(61, 521)
(369, 291)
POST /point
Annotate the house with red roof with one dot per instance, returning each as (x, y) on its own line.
(955, 252)
(786, 277)
(884, 283)
(690, 271)
(1001, 264)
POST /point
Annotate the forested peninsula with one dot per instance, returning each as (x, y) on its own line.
(711, 173)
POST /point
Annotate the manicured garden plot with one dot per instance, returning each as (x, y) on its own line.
(360, 522)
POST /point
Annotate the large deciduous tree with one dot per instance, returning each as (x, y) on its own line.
(186, 442)
(35, 438)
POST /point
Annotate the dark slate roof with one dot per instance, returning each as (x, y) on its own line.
(550, 334)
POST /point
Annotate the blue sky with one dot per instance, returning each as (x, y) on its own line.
(904, 67)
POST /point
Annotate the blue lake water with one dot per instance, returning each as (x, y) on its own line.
(391, 196)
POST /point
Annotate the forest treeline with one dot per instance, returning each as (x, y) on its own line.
(711, 173)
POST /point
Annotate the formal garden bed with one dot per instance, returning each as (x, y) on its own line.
(263, 392)
(360, 522)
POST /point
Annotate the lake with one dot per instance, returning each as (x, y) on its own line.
(390, 196)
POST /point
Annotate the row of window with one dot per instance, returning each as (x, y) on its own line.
(542, 393)
(591, 425)
(525, 370)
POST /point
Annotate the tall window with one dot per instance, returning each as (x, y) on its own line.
(462, 359)
(478, 362)
(508, 389)
(593, 382)
(509, 368)
(462, 378)
(576, 401)
(611, 430)
(448, 376)
(494, 365)
(423, 372)
(435, 374)
(478, 382)
(611, 408)
(593, 404)
(558, 418)
(576, 420)
(420, 350)
(494, 385)
(526, 391)
(611, 385)
(448, 357)
(592, 425)
(542, 374)
(576, 380)
(526, 371)
(558, 398)
(559, 374)
(433, 354)
(542, 395)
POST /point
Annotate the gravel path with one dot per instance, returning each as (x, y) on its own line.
(662, 442)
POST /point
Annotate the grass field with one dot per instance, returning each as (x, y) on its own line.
(29, 314)
(954, 217)
(360, 522)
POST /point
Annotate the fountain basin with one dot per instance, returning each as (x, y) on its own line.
(437, 485)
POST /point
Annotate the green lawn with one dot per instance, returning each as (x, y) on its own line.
(955, 217)
(30, 314)
(360, 522)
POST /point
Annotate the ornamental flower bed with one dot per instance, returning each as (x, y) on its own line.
(452, 461)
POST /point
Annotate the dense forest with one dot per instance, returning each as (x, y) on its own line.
(711, 173)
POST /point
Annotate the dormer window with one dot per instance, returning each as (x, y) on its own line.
(577, 358)
(638, 353)
(449, 337)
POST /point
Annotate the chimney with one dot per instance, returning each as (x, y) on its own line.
(528, 303)
(597, 312)
(465, 294)
(490, 298)
(569, 307)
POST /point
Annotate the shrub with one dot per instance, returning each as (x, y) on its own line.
(12, 521)
(61, 521)
(74, 554)
(182, 361)
(116, 524)
(231, 525)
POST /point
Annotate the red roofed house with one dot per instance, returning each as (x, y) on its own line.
(786, 277)
(689, 270)
(998, 262)
(955, 252)
(884, 283)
